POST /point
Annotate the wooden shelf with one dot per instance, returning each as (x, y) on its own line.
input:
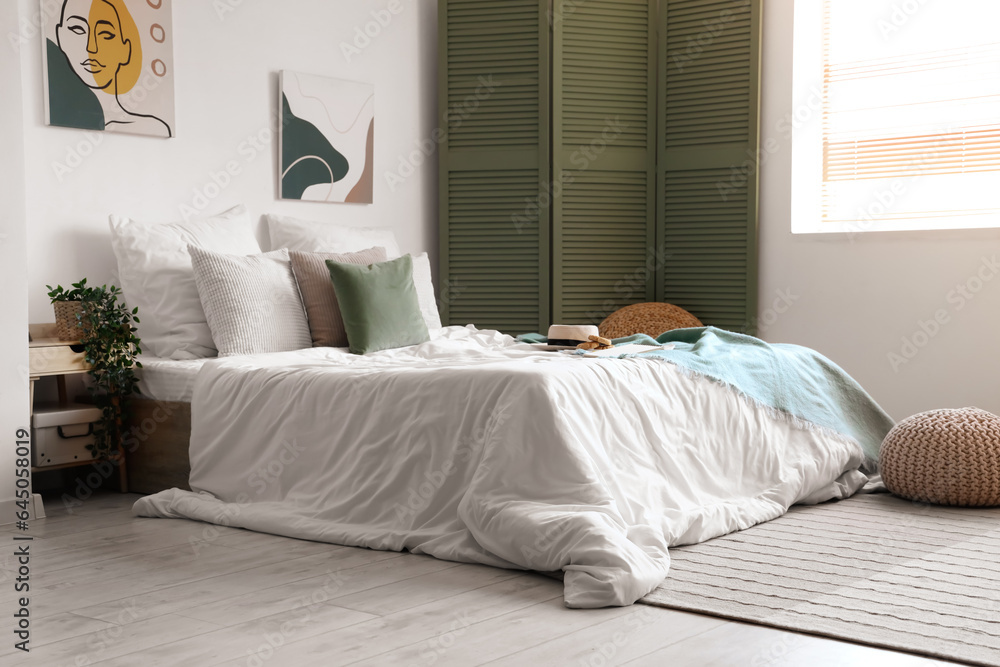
(48, 356)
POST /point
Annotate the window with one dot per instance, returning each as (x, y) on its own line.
(898, 118)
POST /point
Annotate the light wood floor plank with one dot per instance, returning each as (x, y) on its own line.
(291, 595)
(313, 570)
(464, 642)
(246, 639)
(821, 652)
(742, 643)
(615, 641)
(118, 640)
(375, 637)
(115, 590)
(400, 596)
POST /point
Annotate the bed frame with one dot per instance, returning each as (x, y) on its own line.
(156, 445)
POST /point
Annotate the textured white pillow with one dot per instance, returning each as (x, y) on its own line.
(154, 270)
(425, 291)
(307, 236)
(252, 303)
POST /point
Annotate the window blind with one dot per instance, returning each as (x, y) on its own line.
(911, 114)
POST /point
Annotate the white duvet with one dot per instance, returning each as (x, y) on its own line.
(475, 448)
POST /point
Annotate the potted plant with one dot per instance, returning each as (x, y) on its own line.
(105, 329)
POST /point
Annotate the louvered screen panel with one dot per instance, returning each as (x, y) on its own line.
(493, 73)
(707, 171)
(494, 104)
(706, 271)
(605, 260)
(604, 96)
(494, 278)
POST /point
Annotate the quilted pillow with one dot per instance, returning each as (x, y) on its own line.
(252, 303)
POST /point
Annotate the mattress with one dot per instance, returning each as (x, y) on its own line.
(168, 379)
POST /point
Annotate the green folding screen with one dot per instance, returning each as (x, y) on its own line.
(709, 90)
(494, 157)
(604, 156)
(598, 153)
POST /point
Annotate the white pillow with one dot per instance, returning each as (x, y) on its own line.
(252, 302)
(154, 269)
(307, 236)
(425, 291)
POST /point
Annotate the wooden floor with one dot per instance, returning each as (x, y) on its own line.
(110, 589)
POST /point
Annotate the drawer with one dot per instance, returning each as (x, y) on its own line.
(56, 360)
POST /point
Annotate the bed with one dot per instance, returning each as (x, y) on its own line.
(460, 443)
(473, 447)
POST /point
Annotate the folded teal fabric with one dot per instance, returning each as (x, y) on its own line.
(790, 378)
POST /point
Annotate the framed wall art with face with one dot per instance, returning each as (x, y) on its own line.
(108, 65)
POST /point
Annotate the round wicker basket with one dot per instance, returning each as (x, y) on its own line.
(66, 321)
(944, 457)
(651, 319)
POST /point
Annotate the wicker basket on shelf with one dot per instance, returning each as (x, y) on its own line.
(66, 319)
(651, 319)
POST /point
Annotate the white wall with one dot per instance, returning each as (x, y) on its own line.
(226, 64)
(13, 265)
(856, 299)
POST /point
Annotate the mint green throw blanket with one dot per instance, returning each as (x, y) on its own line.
(790, 378)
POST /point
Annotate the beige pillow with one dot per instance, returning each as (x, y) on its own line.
(320, 299)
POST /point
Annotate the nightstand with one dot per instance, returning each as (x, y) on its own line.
(50, 357)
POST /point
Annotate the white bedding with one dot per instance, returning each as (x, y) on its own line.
(168, 379)
(473, 448)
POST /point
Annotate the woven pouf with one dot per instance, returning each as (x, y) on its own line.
(651, 319)
(944, 457)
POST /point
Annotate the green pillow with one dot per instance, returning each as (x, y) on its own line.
(379, 304)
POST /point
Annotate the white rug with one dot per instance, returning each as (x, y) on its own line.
(872, 569)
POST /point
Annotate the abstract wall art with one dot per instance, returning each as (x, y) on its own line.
(108, 65)
(326, 139)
